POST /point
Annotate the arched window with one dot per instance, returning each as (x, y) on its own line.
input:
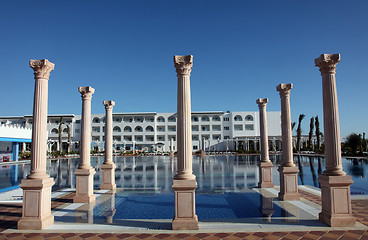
(65, 130)
(195, 119)
(96, 120)
(138, 129)
(55, 131)
(116, 129)
(205, 119)
(127, 129)
(238, 118)
(160, 119)
(172, 119)
(216, 118)
(248, 118)
(149, 129)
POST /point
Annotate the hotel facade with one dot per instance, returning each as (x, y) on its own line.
(151, 131)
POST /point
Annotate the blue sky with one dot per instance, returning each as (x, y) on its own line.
(242, 50)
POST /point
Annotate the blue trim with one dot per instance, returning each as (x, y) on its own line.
(3, 139)
(9, 188)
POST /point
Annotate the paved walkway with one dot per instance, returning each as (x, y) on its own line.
(10, 214)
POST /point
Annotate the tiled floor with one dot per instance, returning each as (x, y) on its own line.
(10, 214)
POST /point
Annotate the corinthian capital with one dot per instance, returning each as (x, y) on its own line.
(262, 102)
(327, 63)
(42, 68)
(108, 104)
(86, 92)
(284, 89)
(183, 64)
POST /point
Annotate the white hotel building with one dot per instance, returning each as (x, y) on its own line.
(221, 130)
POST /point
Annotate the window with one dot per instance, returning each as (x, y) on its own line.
(173, 137)
(226, 137)
(171, 128)
(238, 118)
(116, 138)
(95, 138)
(149, 129)
(160, 119)
(138, 119)
(138, 138)
(216, 128)
(205, 127)
(160, 138)
(128, 119)
(238, 127)
(138, 129)
(206, 137)
(150, 138)
(195, 128)
(117, 119)
(248, 118)
(95, 120)
(160, 128)
(216, 118)
(195, 147)
(54, 131)
(127, 129)
(150, 119)
(226, 119)
(205, 119)
(249, 127)
(128, 138)
(65, 130)
(116, 129)
(195, 137)
(216, 137)
(171, 119)
(95, 129)
(195, 119)
(77, 130)
(226, 128)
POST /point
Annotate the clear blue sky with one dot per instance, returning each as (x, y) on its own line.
(242, 50)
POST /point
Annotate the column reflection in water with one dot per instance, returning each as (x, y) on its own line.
(60, 174)
(314, 175)
(108, 206)
(266, 199)
(14, 174)
(300, 167)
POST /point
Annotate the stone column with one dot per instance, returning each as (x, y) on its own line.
(265, 165)
(335, 184)
(288, 170)
(108, 167)
(84, 173)
(184, 183)
(172, 146)
(36, 213)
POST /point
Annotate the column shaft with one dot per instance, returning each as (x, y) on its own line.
(85, 147)
(108, 136)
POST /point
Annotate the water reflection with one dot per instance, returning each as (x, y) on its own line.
(300, 167)
(314, 175)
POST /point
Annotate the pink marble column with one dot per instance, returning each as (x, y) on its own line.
(335, 184)
(184, 183)
(84, 173)
(172, 146)
(108, 167)
(288, 171)
(265, 165)
(36, 211)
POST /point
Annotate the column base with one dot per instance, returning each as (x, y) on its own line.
(84, 186)
(185, 217)
(108, 176)
(265, 175)
(288, 183)
(336, 202)
(36, 204)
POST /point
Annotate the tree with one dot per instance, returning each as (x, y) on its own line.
(364, 143)
(353, 141)
(299, 131)
(318, 134)
(60, 134)
(311, 128)
(69, 138)
(293, 126)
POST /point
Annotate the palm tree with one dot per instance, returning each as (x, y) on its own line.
(69, 138)
(299, 131)
(354, 141)
(318, 134)
(311, 127)
(293, 126)
(60, 134)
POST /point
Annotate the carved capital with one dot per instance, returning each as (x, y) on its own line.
(262, 102)
(42, 68)
(284, 89)
(327, 63)
(183, 64)
(86, 92)
(108, 104)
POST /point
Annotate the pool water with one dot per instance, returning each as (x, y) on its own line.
(215, 174)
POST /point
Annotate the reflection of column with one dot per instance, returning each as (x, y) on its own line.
(172, 146)
(15, 151)
(108, 207)
(335, 184)
(288, 170)
(36, 212)
(84, 173)
(108, 167)
(184, 183)
(266, 207)
(265, 165)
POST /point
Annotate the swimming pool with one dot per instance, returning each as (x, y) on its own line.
(215, 174)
